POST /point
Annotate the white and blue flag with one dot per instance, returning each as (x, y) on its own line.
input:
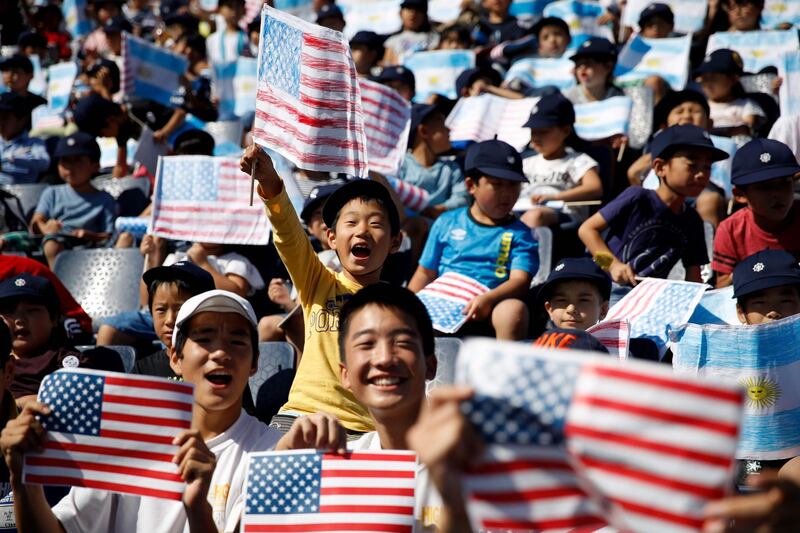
(690, 15)
(667, 58)
(538, 72)
(299, 8)
(149, 71)
(789, 70)
(777, 12)
(758, 49)
(235, 85)
(765, 361)
(528, 8)
(436, 71)
(600, 120)
(75, 18)
(581, 17)
(60, 78)
(380, 16)
(716, 307)
(38, 84)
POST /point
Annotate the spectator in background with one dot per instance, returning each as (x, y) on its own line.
(476, 81)
(656, 21)
(455, 37)
(330, 16)
(575, 294)
(744, 15)
(415, 35)
(33, 43)
(17, 75)
(100, 117)
(400, 79)
(96, 42)
(141, 17)
(228, 42)
(113, 29)
(367, 49)
(594, 71)
(497, 25)
(48, 21)
(22, 158)
(104, 78)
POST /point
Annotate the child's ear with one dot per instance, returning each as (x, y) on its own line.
(549, 308)
(174, 360)
(741, 314)
(331, 238)
(659, 166)
(397, 240)
(344, 375)
(739, 195)
(471, 183)
(603, 309)
(431, 365)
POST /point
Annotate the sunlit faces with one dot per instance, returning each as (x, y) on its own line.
(167, 301)
(688, 113)
(656, 28)
(743, 15)
(384, 365)
(435, 133)
(494, 198)
(17, 79)
(592, 73)
(76, 170)
(412, 19)
(769, 200)
(769, 304)
(549, 142)
(30, 325)
(717, 86)
(552, 41)
(686, 172)
(576, 304)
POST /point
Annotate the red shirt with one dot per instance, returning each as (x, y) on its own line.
(739, 236)
(11, 265)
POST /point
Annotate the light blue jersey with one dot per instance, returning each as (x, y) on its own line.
(93, 211)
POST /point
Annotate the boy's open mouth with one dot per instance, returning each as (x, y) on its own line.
(360, 251)
(219, 377)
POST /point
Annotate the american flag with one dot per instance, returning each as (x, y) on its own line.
(485, 117)
(413, 197)
(576, 440)
(112, 432)
(655, 304)
(306, 490)
(446, 297)
(205, 199)
(614, 335)
(308, 103)
(387, 118)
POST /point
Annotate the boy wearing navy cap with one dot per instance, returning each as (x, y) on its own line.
(367, 50)
(74, 213)
(398, 78)
(576, 293)
(330, 16)
(650, 231)
(764, 173)
(17, 75)
(656, 21)
(766, 286)
(486, 241)
(594, 69)
(22, 158)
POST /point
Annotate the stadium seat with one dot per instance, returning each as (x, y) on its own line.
(126, 353)
(446, 353)
(28, 195)
(116, 186)
(104, 281)
(544, 236)
(273, 357)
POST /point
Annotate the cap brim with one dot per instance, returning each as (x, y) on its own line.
(355, 189)
(216, 303)
(503, 174)
(715, 153)
(578, 55)
(537, 122)
(765, 283)
(766, 175)
(169, 273)
(541, 293)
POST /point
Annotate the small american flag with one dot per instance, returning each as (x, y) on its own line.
(412, 197)
(485, 117)
(446, 297)
(614, 335)
(305, 490)
(654, 304)
(576, 440)
(308, 103)
(112, 432)
(205, 199)
(387, 120)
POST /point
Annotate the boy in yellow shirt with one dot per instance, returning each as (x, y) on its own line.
(364, 228)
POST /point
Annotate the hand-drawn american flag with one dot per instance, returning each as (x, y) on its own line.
(205, 199)
(306, 490)
(446, 297)
(387, 118)
(576, 440)
(413, 197)
(112, 432)
(308, 103)
(655, 304)
(614, 335)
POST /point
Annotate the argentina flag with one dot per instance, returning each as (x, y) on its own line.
(600, 120)
(690, 15)
(77, 23)
(150, 72)
(758, 49)
(667, 58)
(538, 72)
(436, 71)
(60, 78)
(766, 364)
(789, 70)
(527, 8)
(581, 17)
(235, 85)
(777, 12)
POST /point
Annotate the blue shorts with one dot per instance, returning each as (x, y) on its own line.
(137, 324)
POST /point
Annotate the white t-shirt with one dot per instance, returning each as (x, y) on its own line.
(428, 506)
(551, 176)
(732, 114)
(98, 511)
(231, 263)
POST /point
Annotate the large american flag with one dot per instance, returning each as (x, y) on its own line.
(112, 432)
(413, 197)
(446, 297)
(387, 118)
(308, 103)
(306, 490)
(614, 335)
(206, 199)
(576, 440)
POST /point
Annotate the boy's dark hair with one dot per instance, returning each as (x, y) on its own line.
(181, 336)
(390, 297)
(233, 4)
(462, 32)
(366, 191)
(395, 229)
(601, 289)
(155, 284)
(196, 42)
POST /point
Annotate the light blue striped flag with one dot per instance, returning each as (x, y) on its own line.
(60, 78)
(436, 71)
(690, 15)
(779, 11)
(298, 8)
(758, 49)
(667, 58)
(380, 16)
(716, 307)
(789, 70)
(235, 85)
(38, 84)
(537, 72)
(600, 120)
(149, 71)
(581, 17)
(77, 23)
(527, 8)
(765, 361)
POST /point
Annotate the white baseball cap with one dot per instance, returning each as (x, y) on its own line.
(218, 301)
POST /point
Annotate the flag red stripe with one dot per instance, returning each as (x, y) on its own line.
(105, 450)
(393, 474)
(167, 220)
(526, 495)
(322, 64)
(317, 122)
(305, 157)
(626, 439)
(139, 437)
(153, 385)
(650, 512)
(377, 509)
(465, 280)
(519, 464)
(397, 104)
(102, 467)
(329, 86)
(104, 485)
(310, 528)
(365, 491)
(302, 138)
(153, 420)
(538, 525)
(639, 302)
(255, 211)
(670, 383)
(325, 45)
(376, 141)
(455, 284)
(437, 290)
(328, 105)
(400, 457)
(730, 430)
(147, 402)
(167, 231)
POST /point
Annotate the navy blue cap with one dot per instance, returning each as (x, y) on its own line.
(316, 198)
(574, 268)
(762, 160)
(495, 159)
(26, 285)
(113, 71)
(91, 112)
(551, 21)
(570, 339)
(419, 112)
(656, 10)
(194, 141)
(79, 143)
(17, 61)
(419, 5)
(468, 77)
(117, 24)
(31, 38)
(369, 39)
(672, 139)
(764, 270)
(551, 110)
(14, 102)
(723, 60)
(596, 47)
(195, 277)
(189, 22)
(329, 10)
(396, 73)
(360, 188)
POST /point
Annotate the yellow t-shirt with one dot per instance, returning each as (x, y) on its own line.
(316, 385)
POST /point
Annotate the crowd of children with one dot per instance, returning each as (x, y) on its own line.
(338, 278)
